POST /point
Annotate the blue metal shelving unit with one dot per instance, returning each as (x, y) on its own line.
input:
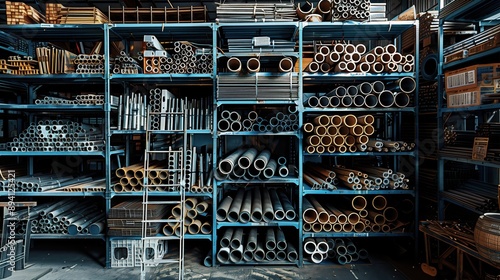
(474, 11)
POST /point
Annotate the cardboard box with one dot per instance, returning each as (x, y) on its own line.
(472, 97)
(481, 75)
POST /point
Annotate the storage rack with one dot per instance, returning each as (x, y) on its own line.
(466, 118)
(211, 33)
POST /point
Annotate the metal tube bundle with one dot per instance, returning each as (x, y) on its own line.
(125, 64)
(240, 245)
(58, 135)
(132, 111)
(80, 99)
(249, 164)
(43, 183)
(342, 250)
(257, 205)
(68, 217)
(181, 57)
(337, 134)
(358, 214)
(265, 12)
(89, 64)
(273, 122)
(195, 219)
(340, 57)
(475, 195)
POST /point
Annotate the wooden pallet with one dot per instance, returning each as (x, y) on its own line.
(20, 13)
(158, 15)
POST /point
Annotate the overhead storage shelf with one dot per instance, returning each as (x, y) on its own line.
(352, 30)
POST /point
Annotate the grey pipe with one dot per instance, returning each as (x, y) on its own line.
(259, 254)
(225, 240)
(224, 208)
(270, 239)
(252, 240)
(267, 206)
(234, 210)
(405, 84)
(247, 158)
(262, 159)
(402, 99)
(279, 213)
(270, 169)
(223, 255)
(246, 207)
(256, 215)
(290, 213)
(291, 253)
(227, 164)
(236, 239)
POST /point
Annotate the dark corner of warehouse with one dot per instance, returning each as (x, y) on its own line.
(237, 139)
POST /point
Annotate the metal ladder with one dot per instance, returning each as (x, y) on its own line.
(154, 159)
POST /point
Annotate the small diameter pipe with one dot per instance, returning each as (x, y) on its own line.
(234, 64)
(286, 65)
(253, 65)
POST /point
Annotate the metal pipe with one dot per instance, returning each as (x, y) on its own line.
(267, 206)
(386, 99)
(234, 64)
(402, 99)
(405, 84)
(224, 208)
(390, 214)
(253, 65)
(256, 215)
(359, 203)
(286, 65)
(227, 164)
(246, 207)
(234, 210)
(379, 202)
(262, 160)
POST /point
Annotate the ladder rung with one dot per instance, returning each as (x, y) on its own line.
(172, 237)
(161, 202)
(161, 261)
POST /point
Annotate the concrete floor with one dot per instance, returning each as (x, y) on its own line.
(54, 260)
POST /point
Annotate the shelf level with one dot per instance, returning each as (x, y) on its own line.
(46, 32)
(274, 180)
(260, 224)
(474, 10)
(410, 153)
(468, 60)
(56, 108)
(159, 193)
(308, 190)
(55, 78)
(66, 236)
(458, 203)
(256, 133)
(356, 234)
(53, 193)
(311, 78)
(467, 160)
(356, 109)
(354, 30)
(178, 79)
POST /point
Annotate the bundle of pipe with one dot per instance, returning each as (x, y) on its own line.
(89, 64)
(474, 194)
(337, 10)
(249, 164)
(282, 86)
(366, 94)
(474, 43)
(256, 205)
(50, 182)
(319, 178)
(71, 217)
(458, 231)
(253, 65)
(381, 145)
(58, 135)
(132, 111)
(338, 57)
(370, 178)
(338, 133)
(195, 218)
(81, 99)
(255, 12)
(239, 245)
(272, 122)
(184, 58)
(198, 170)
(130, 178)
(357, 217)
(344, 251)
(125, 64)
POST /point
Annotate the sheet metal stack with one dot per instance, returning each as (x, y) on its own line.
(58, 135)
(319, 177)
(125, 219)
(68, 216)
(235, 121)
(339, 57)
(21, 13)
(260, 44)
(196, 220)
(256, 12)
(256, 205)
(354, 215)
(238, 245)
(343, 251)
(251, 164)
(253, 87)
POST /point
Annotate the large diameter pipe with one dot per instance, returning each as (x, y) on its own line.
(286, 65)
(253, 65)
(223, 208)
(226, 165)
(236, 239)
(262, 159)
(234, 64)
(402, 99)
(386, 99)
(267, 206)
(252, 240)
(304, 9)
(247, 158)
(246, 208)
(359, 203)
(225, 240)
(379, 202)
(256, 215)
(270, 239)
(405, 84)
(310, 215)
(234, 210)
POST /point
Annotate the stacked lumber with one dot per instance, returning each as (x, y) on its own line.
(59, 14)
(55, 61)
(22, 65)
(20, 13)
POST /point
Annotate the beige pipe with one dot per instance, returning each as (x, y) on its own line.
(323, 216)
(340, 67)
(379, 202)
(368, 130)
(378, 50)
(312, 67)
(313, 140)
(304, 10)
(359, 203)
(352, 148)
(320, 130)
(349, 120)
(347, 227)
(384, 58)
(311, 149)
(191, 202)
(359, 227)
(375, 228)
(320, 149)
(234, 64)
(390, 214)
(363, 67)
(352, 217)
(206, 228)
(396, 58)
(363, 213)
(349, 48)
(349, 140)
(194, 227)
(117, 187)
(319, 58)
(376, 217)
(336, 120)
(365, 119)
(306, 227)
(337, 227)
(326, 140)
(253, 65)
(322, 120)
(339, 48)
(332, 58)
(368, 58)
(362, 139)
(390, 48)
(327, 227)
(342, 149)
(332, 130)
(323, 7)
(286, 65)
(356, 130)
(350, 66)
(316, 227)
(308, 127)
(341, 217)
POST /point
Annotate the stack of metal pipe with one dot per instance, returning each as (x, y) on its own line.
(89, 64)
(337, 10)
(132, 111)
(343, 251)
(339, 57)
(186, 58)
(198, 170)
(256, 205)
(253, 65)
(338, 133)
(272, 122)
(239, 245)
(58, 135)
(71, 217)
(256, 12)
(250, 164)
(130, 178)
(368, 95)
(81, 99)
(195, 218)
(475, 195)
(357, 217)
(50, 182)
(125, 64)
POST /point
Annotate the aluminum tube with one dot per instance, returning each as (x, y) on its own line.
(386, 99)
(402, 99)
(236, 239)
(370, 101)
(267, 206)
(379, 202)
(234, 210)
(247, 158)
(309, 245)
(256, 215)
(234, 64)
(253, 65)
(334, 101)
(206, 228)
(321, 245)
(286, 65)
(223, 208)
(405, 84)
(223, 255)
(317, 257)
(378, 87)
(227, 164)
(365, 88)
